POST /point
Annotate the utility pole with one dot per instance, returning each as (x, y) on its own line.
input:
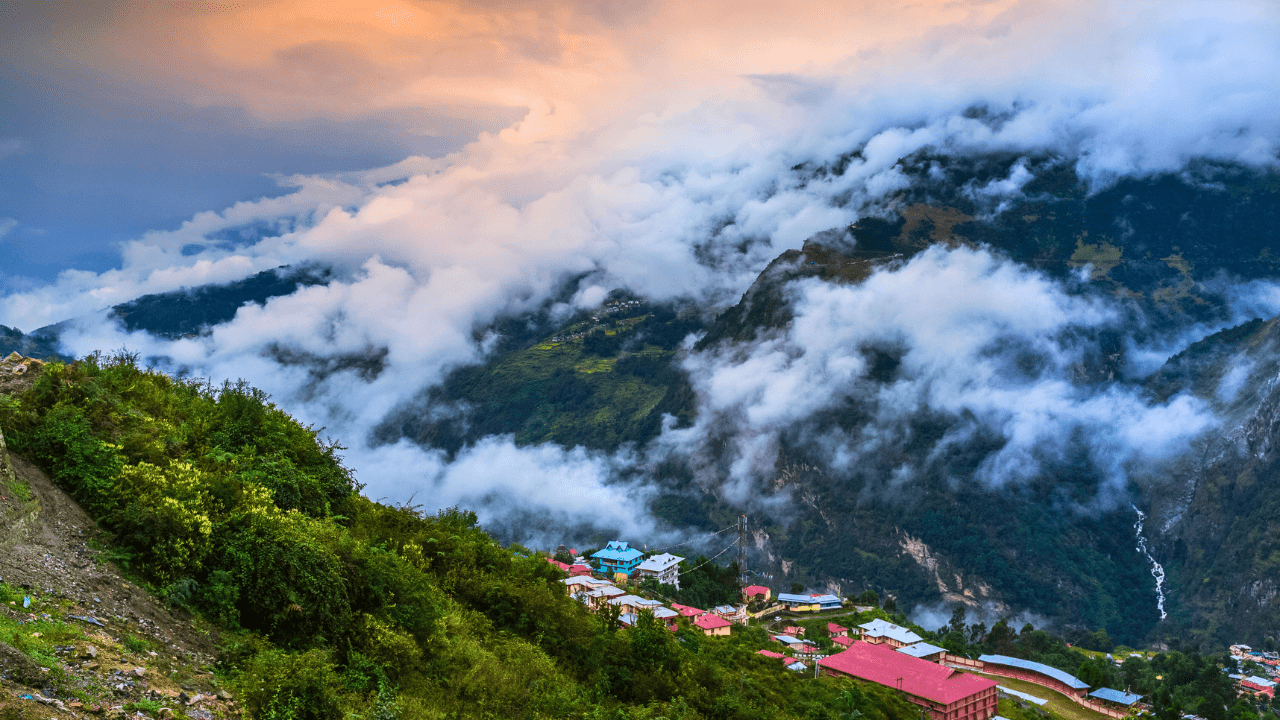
(742, 550)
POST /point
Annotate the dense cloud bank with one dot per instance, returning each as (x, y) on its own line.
(687, 200)
(991, 348)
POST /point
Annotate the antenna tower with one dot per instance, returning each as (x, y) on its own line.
(742, 550)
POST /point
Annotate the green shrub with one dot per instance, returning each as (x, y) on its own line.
(164, 512)
(135, 644)
(64, 444)
(291, 686)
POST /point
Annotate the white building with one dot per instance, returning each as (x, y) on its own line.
(883, 631)
(664, 568)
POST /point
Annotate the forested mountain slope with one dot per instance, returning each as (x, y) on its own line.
(1170, 258)
(320, 603)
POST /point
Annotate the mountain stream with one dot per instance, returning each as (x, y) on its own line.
(1157, 570)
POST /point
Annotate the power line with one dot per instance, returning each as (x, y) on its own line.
(699, 539)
(710, 559)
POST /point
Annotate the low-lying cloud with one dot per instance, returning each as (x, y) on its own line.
(631, 175)
(989, 345)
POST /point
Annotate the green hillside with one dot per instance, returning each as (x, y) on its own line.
(597, 381)
(329, 605)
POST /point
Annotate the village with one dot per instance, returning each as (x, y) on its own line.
(605, 309)
(946, 686)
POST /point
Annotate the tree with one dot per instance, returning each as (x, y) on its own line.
(611, 615)
(1096, 672)
(797, 588)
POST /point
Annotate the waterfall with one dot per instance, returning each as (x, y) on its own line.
(1157, 570)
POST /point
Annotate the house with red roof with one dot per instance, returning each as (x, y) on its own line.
(686, 610)
(558, 564)
(771, 654)
(1259, 686)
(842, 640)
(754, 591)
(837, 630)
(579, 570)
(712, 625)
(944, 692)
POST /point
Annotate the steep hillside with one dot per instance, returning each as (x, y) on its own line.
(318, 602)
(1165, 251)
(1218, 516)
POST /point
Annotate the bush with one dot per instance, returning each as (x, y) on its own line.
(165, 514)
(286, 686)
(65, 445)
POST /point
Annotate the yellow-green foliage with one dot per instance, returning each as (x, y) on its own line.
(334, 606)
(172, 504)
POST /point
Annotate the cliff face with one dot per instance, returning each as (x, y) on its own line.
(1216, 518)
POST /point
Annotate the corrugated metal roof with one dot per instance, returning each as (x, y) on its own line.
(618, 551)
(711, 622)
(921, 649)
(1065, 677)
(880, 664)
(798, 599)
(786, 639)
(1115, 696)
(658, 563)
(884, 628)
(663, 613)
(686, 610)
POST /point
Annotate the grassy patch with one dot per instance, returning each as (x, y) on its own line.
(135, 644)
(1103, 256)
(595, 365)
(1058, 705)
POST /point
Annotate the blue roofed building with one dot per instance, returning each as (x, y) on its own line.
(1038, 673)
(618, 557)
(1118, 697)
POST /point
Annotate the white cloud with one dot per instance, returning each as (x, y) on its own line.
(979, 340)
(679, 190)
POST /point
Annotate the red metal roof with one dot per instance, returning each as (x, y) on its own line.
(686, 610)
(771, 654)
(711, 622)
(751, 590)
(882, 664)
(834, 628)
(558, 564)
(1258, 688)
(842, 640)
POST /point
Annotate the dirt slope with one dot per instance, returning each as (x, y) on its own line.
(77, 638)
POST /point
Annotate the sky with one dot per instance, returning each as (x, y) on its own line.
(455, 161)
